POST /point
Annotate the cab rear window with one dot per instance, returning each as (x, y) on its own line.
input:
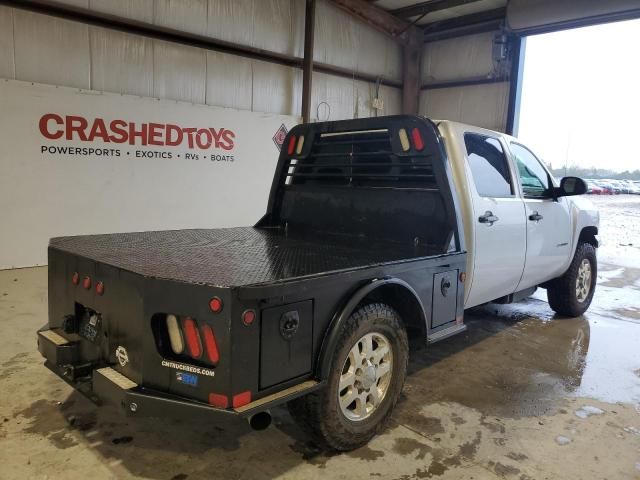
(489, 167)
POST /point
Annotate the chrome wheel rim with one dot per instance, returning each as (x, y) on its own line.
(583, 281)
(366, 376)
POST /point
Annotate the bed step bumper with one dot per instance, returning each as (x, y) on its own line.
(56, 349)
(107, 385)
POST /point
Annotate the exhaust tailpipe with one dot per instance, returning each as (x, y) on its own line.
(260, 421)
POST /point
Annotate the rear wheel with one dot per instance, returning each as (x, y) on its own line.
(367, 374)
(571, 294)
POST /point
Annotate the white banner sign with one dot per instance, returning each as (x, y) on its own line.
(79, 162)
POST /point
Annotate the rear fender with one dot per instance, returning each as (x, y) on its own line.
(379, 286)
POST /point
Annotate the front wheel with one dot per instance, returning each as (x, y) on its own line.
(367, 374)
(571, 294)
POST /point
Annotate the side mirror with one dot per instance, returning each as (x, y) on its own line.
(571, 186)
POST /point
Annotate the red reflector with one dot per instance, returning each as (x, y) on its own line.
(76, 278)
(99, 288)
(248, 317)
(86, 282)
(211, 344)
(241, 399)
(218, 401)
(193, 337)
(418, 143)
(215, 304)
(292, 145)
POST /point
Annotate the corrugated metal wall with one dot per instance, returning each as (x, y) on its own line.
(44, 49)
(460, 59)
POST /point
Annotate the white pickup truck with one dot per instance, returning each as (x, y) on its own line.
(376, 230)
(519, 233)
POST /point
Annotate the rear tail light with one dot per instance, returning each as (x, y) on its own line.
(418, 143)
(300, 145)
(218, 401)
(241, 399)
(404, 140)
(192, 336)
(175, 334)
(211, 345)
(86, 283)
(292, 145)
(182, 338)
(248, 317)
(100, 288)
(75, 279)
(215, 304)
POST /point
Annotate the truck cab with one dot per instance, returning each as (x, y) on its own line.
(519, 231)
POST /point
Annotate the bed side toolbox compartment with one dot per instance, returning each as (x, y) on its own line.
(286, 342)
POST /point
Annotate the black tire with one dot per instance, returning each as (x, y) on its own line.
(561, 292)
(319, 413)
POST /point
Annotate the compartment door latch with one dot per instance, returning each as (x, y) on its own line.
(289, 322)
(445, 285)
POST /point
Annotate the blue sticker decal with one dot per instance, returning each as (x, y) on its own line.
(187, 378)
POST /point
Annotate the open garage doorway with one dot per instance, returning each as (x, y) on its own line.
(580, 101)
(578, 111)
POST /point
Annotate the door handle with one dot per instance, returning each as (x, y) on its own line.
(489, 218)
(535, 217)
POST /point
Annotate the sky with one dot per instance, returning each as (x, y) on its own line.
(581, 96)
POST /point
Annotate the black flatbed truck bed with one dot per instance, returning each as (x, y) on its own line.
(361, 212)
(237, 257)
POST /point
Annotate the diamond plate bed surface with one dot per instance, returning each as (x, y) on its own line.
(233, 256)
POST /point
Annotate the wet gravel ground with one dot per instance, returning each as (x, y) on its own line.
(619, 229)
(523, 394)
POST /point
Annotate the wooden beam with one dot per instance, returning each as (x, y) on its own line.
(411, 60)
(427, 7)
(378, 18)
(307, 62)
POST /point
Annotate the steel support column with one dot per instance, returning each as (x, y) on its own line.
(515, 86)
(307, 62)
(411, 59)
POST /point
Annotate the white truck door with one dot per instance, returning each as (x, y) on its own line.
(498, 220)
(548, 221)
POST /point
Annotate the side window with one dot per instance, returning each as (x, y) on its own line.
(489, 167)
(533, 177)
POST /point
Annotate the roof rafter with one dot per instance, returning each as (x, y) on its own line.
(424, 8)
(465, 25)
(378, 18)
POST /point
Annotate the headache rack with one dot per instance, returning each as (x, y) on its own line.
(380, 178)
(362, 158)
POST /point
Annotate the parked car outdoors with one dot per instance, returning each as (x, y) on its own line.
(633, 188)
(612, 189)
(593, 188)
(604, 189)
(621, 186)
(598, 186)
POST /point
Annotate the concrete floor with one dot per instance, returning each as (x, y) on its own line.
(521, 395)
